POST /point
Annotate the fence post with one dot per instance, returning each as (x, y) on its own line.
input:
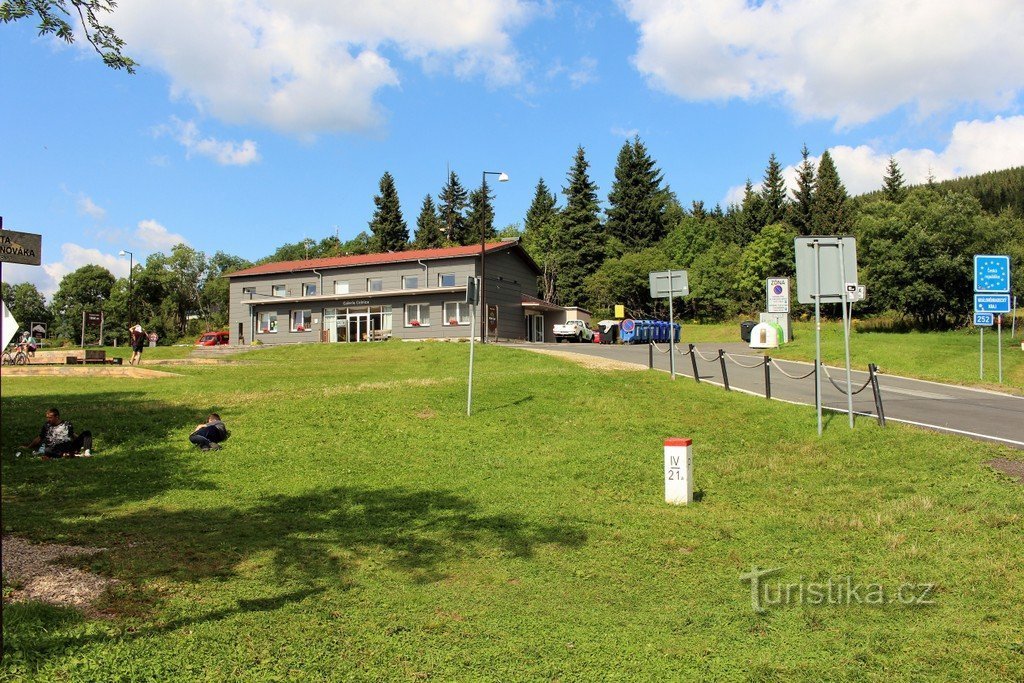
(725, 373)
(873, 374)
(693, 360)
(767, 377)
(650, 356)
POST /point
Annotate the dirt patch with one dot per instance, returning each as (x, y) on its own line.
(83, 371)
(33, 571)
(592, 362)
(1011, 468)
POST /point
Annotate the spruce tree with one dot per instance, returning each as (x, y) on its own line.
(451, 204)
(429, 234)
(893, 187)
(773, 193)
(831, 214)
(697, 210)
(390, 233)
(801, 211)
(480, 217)
(580, 248)
(540, 236)
(751, 218)
(637, 201)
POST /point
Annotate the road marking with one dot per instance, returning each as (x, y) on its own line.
(916, 393)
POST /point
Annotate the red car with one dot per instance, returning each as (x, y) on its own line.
(213, 339)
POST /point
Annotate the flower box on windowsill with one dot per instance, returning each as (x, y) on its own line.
(300, 328)
(414, 323)
(453, 321)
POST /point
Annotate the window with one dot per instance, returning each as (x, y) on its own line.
(410, 281)
(247, 292)
(341, 286)
(278, 290)
(456, 313)
(417, 315)
(267, 323)
(446, 280)
(374, 284)
(309, 289)
(302, 320)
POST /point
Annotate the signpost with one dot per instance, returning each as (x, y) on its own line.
(778, 294)
(825, 266)
(473, 299)
(991, 296)
(982, 320)
(670, 283)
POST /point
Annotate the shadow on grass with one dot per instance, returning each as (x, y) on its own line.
(315, 541)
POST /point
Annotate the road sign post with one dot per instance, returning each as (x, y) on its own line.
(991, 296)
(473, 299)
(670, 283)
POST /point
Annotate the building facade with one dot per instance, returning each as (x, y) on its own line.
(417, 294)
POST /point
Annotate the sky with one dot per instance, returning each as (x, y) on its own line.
(253, 123)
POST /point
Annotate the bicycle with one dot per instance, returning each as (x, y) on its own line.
(14, 356)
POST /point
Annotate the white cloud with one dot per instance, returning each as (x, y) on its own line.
(155, 237)
(974, 147)
(848, 60)
(89, 208)
(47, 277)
(626, 133)
(225, 153)
(310, 66)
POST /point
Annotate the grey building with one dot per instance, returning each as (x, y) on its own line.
(417, 294)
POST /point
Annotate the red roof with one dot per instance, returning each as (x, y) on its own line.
(375, 259)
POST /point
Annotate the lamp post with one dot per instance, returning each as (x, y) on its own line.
(131, 290)
(502, 178)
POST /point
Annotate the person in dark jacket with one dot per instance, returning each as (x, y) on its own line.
(57, 439)
(209, 434)
(137, 339)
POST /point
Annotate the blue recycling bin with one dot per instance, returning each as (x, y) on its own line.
(676, 330)
(627, 331)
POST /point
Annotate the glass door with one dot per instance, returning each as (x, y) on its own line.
(538, 328)
(358, 327)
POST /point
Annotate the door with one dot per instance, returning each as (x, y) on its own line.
(358, 327)
(538, 328)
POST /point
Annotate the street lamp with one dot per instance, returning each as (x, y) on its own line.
(502, 178)
(131, 290)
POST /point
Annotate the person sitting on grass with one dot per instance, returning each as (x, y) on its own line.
(209, 434)
(57, 439)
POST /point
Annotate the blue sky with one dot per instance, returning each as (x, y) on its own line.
(251, 123)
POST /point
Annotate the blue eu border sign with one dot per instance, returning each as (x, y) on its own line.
(984, 320)
(992, 274)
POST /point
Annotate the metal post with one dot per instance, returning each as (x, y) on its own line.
(981, 354)
(83, 328)
(817, 331)
(671, 334)
(877, 391)
(846, 333)
(767, 377)
(693, 359)
(725, 373)
(472, 336)
(650, 355)
(1013, 322)
(999, 346)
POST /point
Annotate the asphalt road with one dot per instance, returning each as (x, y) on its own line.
(976, 413)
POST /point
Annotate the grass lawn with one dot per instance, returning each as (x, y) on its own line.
(938, 356)
(358, 526)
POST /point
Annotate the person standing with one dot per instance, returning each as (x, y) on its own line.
(138, 342)
(57, 439)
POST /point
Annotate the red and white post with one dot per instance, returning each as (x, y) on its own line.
(678, 471)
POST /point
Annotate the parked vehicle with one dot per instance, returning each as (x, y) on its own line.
(213, 339)
(573, 330)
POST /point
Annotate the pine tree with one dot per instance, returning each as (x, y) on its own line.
(429, 233)
(480, 217)
(540, 236)
(697, 210)
(753, 210)
(637, 201)
(801, 211)
(451, 204)
(388, 226)
(773, 193)
(893, 187)
(581, 248)
(831, 214)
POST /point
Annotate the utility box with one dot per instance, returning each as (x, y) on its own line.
(765, 336)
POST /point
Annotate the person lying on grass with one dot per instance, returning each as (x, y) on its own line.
(209, 434)
(57, 439)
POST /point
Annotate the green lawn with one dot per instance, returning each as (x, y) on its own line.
(938, 356)
(358, 526)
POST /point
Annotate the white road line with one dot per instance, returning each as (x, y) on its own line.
(915, 393)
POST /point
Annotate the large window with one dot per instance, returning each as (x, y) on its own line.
(341, 286)
(266, 323)
(278, 290)
(456, 313)
(302, 320)
(417, 315)
(374, 284)
(309, 289)
(446, 280)
(410, 281)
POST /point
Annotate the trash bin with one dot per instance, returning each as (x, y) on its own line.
(745, 327)
(676, 329)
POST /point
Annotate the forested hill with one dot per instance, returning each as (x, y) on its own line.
(995, 190)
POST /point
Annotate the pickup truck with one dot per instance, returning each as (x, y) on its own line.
(573, 330)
